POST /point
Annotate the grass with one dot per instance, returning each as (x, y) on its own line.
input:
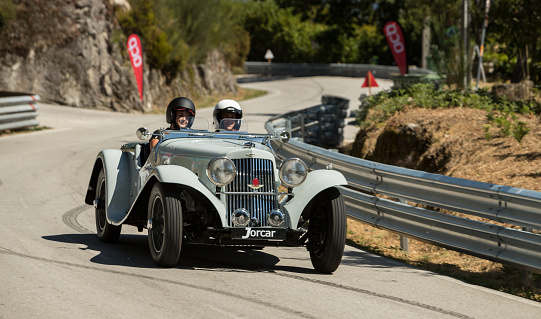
(461, 266)
(24, 130)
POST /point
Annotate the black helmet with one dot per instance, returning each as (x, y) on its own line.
(178, 104)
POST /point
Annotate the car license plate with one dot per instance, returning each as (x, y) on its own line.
(260, 233)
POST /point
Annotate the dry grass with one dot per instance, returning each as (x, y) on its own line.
(498, 160)
(24, 130)
(447, 262)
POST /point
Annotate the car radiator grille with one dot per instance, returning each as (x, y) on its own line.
(257, 205)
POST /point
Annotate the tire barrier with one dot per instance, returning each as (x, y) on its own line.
(321, 125)
(510, 230)
(18, 110)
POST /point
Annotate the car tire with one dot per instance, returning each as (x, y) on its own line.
(327, 231)
(165, 224)
(107, 233)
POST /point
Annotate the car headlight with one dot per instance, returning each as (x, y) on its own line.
(293, 172)
(221, 171)
(275, 218)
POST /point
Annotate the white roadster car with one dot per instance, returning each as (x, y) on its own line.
(221, 188)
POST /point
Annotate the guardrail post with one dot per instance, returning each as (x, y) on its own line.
(404, 241)
(526, 276)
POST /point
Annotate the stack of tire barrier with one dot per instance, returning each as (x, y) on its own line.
(17, 110)
(320, 125)
(331, 122)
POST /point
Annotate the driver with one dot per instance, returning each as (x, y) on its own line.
(180, 114)
(227, 115)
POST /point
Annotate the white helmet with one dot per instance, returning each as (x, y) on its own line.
(223, 107)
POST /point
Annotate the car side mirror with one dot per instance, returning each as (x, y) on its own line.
(142, 133)
(285, 136)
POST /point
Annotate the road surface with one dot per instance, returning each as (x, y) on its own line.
(54, 266)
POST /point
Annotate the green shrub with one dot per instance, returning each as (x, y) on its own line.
(519, 130)
(141, 20)
(280, 30)
(7, 13)
(176, 33)
(500, 111)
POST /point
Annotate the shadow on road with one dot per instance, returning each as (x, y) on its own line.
(132, 251)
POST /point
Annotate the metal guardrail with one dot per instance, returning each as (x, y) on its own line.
(331, 69)
(17, 110)
(501, 204)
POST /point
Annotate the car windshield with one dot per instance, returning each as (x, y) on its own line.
(200, 129)
(198, 124)
(233, 125)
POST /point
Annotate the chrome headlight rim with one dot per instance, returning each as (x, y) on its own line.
(276, 218)
(285, 164)
(209, 173)
(241, 218)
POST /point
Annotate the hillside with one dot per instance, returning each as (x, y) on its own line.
(74, 53)
(453, 142)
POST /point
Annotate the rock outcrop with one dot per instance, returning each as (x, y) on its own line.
(69, 52)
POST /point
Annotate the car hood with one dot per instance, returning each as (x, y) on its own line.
(210, 148)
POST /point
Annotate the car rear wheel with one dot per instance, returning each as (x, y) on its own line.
(107, 233)
(164, 224)
(327, 231)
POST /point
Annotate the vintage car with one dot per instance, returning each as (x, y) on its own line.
(217, 187)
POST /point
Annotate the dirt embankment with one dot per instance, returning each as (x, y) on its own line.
(453, 142)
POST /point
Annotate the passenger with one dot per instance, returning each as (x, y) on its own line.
(180, 114)
(227, 115)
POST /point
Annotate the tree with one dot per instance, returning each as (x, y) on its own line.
(514, 26)
(176, 33)
(289, 37)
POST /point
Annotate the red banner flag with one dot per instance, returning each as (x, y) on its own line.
(136, 57)
(396, 41)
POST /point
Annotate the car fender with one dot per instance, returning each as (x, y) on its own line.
(173, 174)
(116, 165)
(316, 182)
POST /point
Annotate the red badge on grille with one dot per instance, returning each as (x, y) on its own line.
(255, 184)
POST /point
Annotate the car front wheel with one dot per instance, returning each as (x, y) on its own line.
(164, 224)
(107, 233)
(327, 231)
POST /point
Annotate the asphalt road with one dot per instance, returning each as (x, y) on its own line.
(52, 264)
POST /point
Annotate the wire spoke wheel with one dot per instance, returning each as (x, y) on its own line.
(156, 232)
(318, 230)
(101, 219)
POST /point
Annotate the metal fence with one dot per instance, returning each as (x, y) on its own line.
(330, 69)
(508, 211)
(18, 110)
